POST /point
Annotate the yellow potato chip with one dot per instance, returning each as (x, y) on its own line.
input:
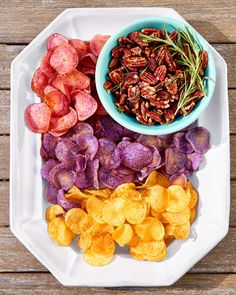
(94, 207)
(192, 195)
(162, 180)
(113, 211)
(178, 199)
(123, 234)
(150, 229)
(152, 248)
(53, 211)
(83, 203)
(150, 181)
(192, 215)
(101, 228)
(168, 240)
(181, 232)
(169, 228)
(135, 211)
(85, 240)
(122, 188)
(76, 220)
(159, 198)
(103, 244)
(131, 194)
(103, 193)
(157, 257)
(75, 194)
(59, 232)
(159, 216)
(177, 218)
(95, 259)
(134, 241)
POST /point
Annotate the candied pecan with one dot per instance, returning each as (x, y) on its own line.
(148, 91)
(173, 35)
(148, 77)
(160, 73)
(131, 78)
(204, 61)
(149, 31)
(108, 86)
(136, 51)
(152, 64)
(113, 63)
(147, 51)
(169, 60)
(187, 109)
(135, 61)
(156, 116)
(160, 104)
(135, 36)
(115, 77)
(123, 98)
(198, 95)
(162, 96)
(159, 85)
(153, 54)
(157, 33)
(133, 94)
(117, 51)
(169, 115)
(171, 86)
(125, 42)
(143, 110)
(161, 55)
(140, 120)
(127, 52)
(142, 84)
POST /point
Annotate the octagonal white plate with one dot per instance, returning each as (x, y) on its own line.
(27, 203)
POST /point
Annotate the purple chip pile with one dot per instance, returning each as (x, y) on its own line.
(105, 154)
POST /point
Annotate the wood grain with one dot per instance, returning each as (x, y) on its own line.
(217, 23)
(9, 52)
(15, 257)
(46, 284)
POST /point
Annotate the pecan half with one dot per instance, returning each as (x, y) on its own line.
(148, 91)
(115, 77)
(135, 36)
(169, 115)
(169, 60)
(134, 62)
(113, 63)
(131, 78)
(156, 116)
(171, 86)
(204, 62)
(148, 77)
(125, 42)
(117, 51)
(161, 55)
(108, 86)
(152, 64)
(149, 31)
(136, 51)
(133, 94)
(160, 73)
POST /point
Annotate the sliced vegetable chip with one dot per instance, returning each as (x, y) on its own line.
(174, 160)
(88, 178)
(113, 212)
(135, 211)
(98, 228)
(102, 244)
(134, 241)
(181, 232)
(107, 179)
(123, 234)
(181, 143)
(177, 218)
(106, 155)
(53, 211)
(85, 240)
(85, 105)
(199, 138)
(64, 202)
(131, 194)
(152, 248)
(107, 127)
(178, 199)
(56, 40)
(59, 233)
(192, 215)
(150, 181)
(48, 89)
(89, 60)
(104, 193)
(45, 64)
(79, 46)
(75, 194)
(51, 193)
(64, 59)
(125, 174)
(39, 82)
(66, 179)
(53, 175)
(94, 207)
(196, 160)
(76, 79)
(97, 43)
(76, 220)
(81, 163)
(66, 150)
(57, 102)
(150, 229)
(82, 128)
(159, 198)
(47, 167)
(178, 178)
(192, 195)
(95, 259)
(37, 117)
(87, 144)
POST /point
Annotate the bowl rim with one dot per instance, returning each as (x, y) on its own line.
(124, 119)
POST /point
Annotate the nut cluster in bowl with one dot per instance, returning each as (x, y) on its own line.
(156, 76)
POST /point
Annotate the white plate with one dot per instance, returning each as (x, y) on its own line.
(27, 203)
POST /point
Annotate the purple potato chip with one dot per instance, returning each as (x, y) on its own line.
(144, 173)
(149, 140)
(82, 128)
(181, 143)
(174, 160)
(81, 163)
(199, 138)
(47, 167)
(64, 202)
(66, 179)
(130, 134)
(109, 128)
(136, 156)
(65, 150)
(106, 155)
(88, 144)
(156, 157)
(107, 179)
(195, 160)
(44, 154)
(166, 141)
(59, 168)
(49, 143)
(89, 177)
(124, 173)
(120, 147)
(178, 178)
(51, 193)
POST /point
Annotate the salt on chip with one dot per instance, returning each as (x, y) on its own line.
(181, 232)
(76, 220)
(178, 199)
(177, 218)
(53, 212)
(59, 232)
(103, 244)
(103, 193)
(135, 211)
(95, 259)
(113, 212)
(94, 207)
(192, 195)
(131, 194)
(151, 229)
(159, 198)
(123, 234)
(119, 190)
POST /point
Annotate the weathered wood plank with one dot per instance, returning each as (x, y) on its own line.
(15, 257)
(46, 284)
(16, 19)
(9, 52)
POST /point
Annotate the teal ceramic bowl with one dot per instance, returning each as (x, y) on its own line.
(107, 99)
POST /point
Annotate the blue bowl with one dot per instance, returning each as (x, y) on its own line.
(107, 99)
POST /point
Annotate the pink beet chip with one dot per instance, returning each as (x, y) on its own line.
(48, 89)
(45, 66)
(57, 102)
(37, 117)
(85, 105)
(39, 82)
(97, 43)
(79, 46)
(56, 40)
(64, 59)
(89, 60)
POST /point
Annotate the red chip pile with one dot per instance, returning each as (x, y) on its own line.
(65, 82)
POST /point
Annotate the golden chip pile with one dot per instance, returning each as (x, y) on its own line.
(146, 218)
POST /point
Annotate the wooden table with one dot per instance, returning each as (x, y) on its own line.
(20, 22)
